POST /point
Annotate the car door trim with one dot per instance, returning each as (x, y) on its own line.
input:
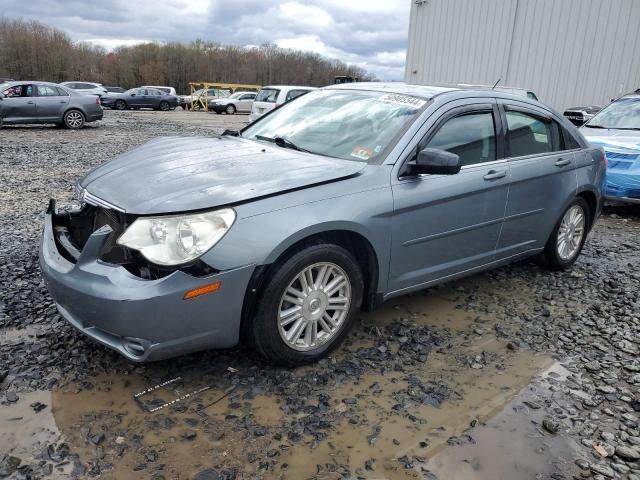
(448, 233)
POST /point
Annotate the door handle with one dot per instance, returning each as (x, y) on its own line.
(562, 162)
(29, 102)
(495, 174)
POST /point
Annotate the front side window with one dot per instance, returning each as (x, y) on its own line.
(471, 136)
(19, 91)
(291, 94)
(269, 95)
(622, 115)
(353, 125)
(249, 96)
(531, 135)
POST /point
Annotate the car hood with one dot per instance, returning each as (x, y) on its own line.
(177, 174)
(611, 139)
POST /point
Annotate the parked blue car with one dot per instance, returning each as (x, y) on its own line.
(617, 129)
(335, 202)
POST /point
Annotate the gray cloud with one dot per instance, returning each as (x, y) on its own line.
(371, 34)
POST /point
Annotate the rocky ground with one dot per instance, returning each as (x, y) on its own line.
(515, 373)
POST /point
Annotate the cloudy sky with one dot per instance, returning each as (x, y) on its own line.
(369, 33)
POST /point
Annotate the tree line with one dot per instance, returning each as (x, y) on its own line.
(31, 50)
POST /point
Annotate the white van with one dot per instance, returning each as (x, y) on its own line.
(272, 96)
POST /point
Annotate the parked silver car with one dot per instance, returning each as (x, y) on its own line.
(238, 102)
(42, 102)
(346, 197)
(87, 88)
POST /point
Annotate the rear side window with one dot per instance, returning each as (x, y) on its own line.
(165, 90)
(268, 95)
(291, 94)
(531, 135)
(471, 136)
(47, 91)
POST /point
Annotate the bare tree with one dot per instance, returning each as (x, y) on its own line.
(35, 51)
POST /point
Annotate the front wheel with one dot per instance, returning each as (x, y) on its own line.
(120, 105)
(568, 237)
(73, 119)
(308, 305)
(231, 109)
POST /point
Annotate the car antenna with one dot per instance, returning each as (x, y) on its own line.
(496, 84)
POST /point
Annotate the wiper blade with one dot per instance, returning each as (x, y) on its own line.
(282, 142)
(596, 126)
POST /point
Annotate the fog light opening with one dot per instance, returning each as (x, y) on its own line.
(204, 290)
(134, 346)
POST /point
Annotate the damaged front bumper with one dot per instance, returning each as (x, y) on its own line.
(142, 318)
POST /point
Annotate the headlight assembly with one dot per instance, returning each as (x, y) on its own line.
(177, 239)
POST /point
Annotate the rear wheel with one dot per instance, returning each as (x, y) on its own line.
(73, 119)
(120, 105)
(308, 305)
(231, 109)
(568, 236)
(164, 106)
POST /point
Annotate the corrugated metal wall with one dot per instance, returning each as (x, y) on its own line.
(570, 52)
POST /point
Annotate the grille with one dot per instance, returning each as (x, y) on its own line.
(105, 216)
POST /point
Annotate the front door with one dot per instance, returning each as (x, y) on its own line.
(543, 176)
(18, 104)
(51, 102)
(444, 225)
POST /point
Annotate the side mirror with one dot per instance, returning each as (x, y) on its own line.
(434, 161)
(2, 95)
(133, 94)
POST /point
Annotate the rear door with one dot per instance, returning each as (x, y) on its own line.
(19, 104)
(444, 225)
(154, 97)
(245, 102)
(543, 176)
(51, 102)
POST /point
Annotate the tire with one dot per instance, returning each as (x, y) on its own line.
(268, 332)
(120, 105)
(164, 106)
(73, 119)
(573, 226)
(230, 110)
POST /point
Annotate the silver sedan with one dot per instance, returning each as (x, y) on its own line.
(42, 102)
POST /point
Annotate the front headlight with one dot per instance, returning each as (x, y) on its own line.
(173, 240)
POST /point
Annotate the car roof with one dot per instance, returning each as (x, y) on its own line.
(81, 81)
(424, 91)
(632, 96)
(281, 87)
(32, 82)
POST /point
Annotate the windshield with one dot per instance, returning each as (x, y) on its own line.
(236, 95)
(353, 125)
(622, 114)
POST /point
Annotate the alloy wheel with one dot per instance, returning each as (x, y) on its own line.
(314, 306)
(571, 232)
(74, 119)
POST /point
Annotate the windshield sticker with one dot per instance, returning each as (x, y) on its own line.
(404, 100)
(361, 153)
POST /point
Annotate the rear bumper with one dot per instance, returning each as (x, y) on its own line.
(141, 319)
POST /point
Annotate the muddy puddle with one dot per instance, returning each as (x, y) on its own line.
(380, 423)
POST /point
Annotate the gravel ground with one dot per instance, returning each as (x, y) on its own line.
(417, 380)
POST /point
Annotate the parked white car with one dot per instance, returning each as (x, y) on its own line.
(238, 102)
(87, 88)
(273, 96)
(167, 90)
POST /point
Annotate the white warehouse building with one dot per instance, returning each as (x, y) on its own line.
(568, 52)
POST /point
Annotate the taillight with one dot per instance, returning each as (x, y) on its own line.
(97, 100)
